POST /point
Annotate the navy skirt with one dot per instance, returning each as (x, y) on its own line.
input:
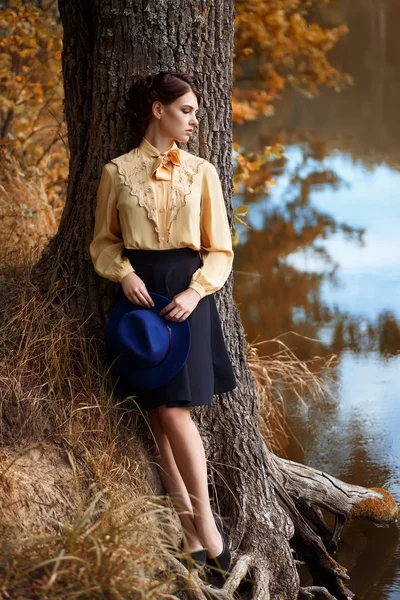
(208, 369)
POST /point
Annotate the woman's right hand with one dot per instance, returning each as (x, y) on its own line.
(135, 290)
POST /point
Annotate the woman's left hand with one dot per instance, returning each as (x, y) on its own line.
(181, 305)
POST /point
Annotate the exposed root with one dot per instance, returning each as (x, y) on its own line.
(304, 492)
(199, 586)
(309, 592)
(381, 508)
(261, 577)
(237, 574)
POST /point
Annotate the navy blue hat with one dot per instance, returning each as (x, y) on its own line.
(149, 350)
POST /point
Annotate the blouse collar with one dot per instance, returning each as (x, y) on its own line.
(151, 150)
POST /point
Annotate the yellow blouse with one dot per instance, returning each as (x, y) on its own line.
(156, 201)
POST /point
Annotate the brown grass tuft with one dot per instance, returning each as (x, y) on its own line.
(280, 375)
(27, 217)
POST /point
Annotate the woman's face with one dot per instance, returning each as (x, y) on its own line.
(178, 119)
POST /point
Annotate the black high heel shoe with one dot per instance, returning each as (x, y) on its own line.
(196, 559)
(220, 565)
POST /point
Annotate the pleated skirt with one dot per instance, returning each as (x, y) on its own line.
(208, 368)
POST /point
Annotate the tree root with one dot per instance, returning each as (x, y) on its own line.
(304, 491)
(197, 588)
(309, 592)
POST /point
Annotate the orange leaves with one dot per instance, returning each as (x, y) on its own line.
(276, 150)
(26, 216)
(284, 49)
(29, 70)
(31, 123)
(254, 171)
(275, 46)
(253, 176)
(248, 105)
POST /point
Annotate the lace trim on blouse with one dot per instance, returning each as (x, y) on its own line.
(135, 169)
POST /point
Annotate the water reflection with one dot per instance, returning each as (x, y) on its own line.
(356, 439)
(278, 294)
(322, 259)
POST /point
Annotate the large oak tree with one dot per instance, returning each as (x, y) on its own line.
(273, 506)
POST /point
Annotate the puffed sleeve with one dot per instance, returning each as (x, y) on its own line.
(106, 248)
(216, 239)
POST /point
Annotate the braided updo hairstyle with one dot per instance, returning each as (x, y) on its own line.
(145, 88)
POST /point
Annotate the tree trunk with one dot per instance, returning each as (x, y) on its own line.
(105, 43)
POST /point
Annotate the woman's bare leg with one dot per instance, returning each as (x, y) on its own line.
(173, 482)
(188, 453)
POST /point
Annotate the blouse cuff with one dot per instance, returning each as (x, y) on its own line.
(199, 288)
(125, 269)
(203, 284)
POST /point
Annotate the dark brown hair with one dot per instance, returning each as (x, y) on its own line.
(165, 86)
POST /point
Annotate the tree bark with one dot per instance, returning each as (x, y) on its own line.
(105, 43)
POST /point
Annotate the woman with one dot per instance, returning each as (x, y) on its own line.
(161, 226)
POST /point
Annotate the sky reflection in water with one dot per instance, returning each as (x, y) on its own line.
(355, 312)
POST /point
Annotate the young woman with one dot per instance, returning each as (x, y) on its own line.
(161, 226)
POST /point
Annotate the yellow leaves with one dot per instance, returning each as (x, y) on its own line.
(276, 150)
(53, 175)
(5, 62)
(241, 210)
(27, 214)
(254, 165)
(253, 175)
(243, 111)
(37, 89)
(27, 53)
(239, 220)
(268, 151)
(31, 96)
(235, 238)
(6, 103)
(285, 50)
(236, 184)
(256, 102)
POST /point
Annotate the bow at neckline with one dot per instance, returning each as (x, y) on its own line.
(162, 168)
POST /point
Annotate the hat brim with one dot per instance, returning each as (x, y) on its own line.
(148, 377)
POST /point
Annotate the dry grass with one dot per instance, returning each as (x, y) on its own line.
(27, 216)
(279, 375)
(100, 551)
(78, 513)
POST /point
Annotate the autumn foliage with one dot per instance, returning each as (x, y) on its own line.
(274, 46)
(33, 145)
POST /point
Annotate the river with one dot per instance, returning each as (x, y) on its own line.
(322, 259)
